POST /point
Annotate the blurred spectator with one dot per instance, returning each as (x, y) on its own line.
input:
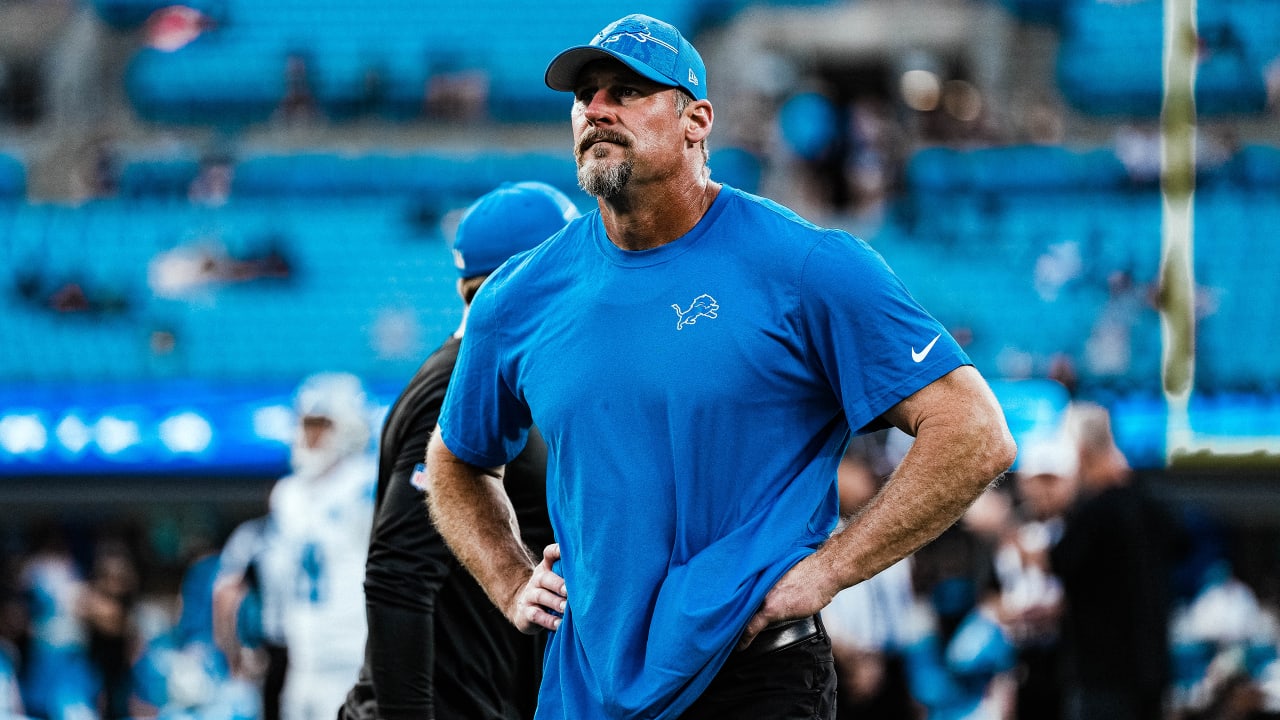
(877, 155)
(107, 606)
(1062, 370)
(813, 128)
(1138, 147)
(70, 295)
(190, 270)
(460, 95)
(10, 696)
(100, 175)
(174, 27)
(180, 674)
(13, 625)
(1271, 73)
(870, 623)
(57, 680)
(212, 184)
(960, 664)
(1225, 647)
(1043, 123)
(1109, 348)
(1116, 559)
(1060, 264)
(298, 106)
(1045, 485)
(960, 657)
(248, 604)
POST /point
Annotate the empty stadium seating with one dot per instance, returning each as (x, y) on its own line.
(980, 237)
(378, 58)
(1110, 59)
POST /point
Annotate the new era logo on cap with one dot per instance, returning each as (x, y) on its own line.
(651, 47)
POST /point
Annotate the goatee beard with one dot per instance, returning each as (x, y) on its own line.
(606, 182)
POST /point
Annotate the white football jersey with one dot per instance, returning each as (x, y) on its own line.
(322, 528)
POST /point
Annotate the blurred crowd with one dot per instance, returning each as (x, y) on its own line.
(264, 621)
(1072, 589)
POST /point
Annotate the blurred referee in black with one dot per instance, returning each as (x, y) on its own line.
(437, 646)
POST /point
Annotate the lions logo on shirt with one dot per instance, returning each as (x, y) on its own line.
(702, 306)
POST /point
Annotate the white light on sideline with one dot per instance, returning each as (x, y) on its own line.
(20, 434)
(115, 435)
(186, 432)
(73, 433)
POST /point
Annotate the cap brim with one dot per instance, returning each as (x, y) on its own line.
(562, 73)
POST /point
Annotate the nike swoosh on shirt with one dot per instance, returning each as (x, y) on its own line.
(920, 356)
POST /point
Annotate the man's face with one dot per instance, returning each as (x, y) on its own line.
(1046, 495)
(315, 430)
(625, 129)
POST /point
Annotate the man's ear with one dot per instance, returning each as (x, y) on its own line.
(699, 116)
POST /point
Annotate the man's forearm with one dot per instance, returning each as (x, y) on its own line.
(227, 596)
(961, 447)
(472, 512)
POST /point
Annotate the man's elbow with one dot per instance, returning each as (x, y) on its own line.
(441, 464)
(997, 448)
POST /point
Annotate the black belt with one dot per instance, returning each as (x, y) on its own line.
(790, 632)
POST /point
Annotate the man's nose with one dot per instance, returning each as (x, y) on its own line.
(599, 108)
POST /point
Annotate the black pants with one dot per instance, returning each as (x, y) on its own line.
(273, 684)
(1087, 703)
(796, 682)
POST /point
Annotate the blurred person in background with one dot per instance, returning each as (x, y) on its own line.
(323, 513)
(13, 625)
(960, 655)
(437, 647)
(1225, 645)
(248, 620)
(107, 606)
(870, 623)
(1045, 487)
(1116, 561)
(180, 674)
(692, 456)
(11, 705)
(56, 677)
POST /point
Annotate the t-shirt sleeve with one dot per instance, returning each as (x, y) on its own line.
(874, 342)
(239, 550)
(483, 422)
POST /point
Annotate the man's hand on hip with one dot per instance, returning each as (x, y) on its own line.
(542, 600)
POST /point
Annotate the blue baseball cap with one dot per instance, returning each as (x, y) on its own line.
(649, 46)
(507, 220)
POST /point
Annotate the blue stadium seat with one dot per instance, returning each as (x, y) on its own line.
(162, 177)
(1255, 167)
(13, 178)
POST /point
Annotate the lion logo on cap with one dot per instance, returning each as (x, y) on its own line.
(638, 32)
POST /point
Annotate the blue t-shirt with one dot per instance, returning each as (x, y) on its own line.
(695, 399)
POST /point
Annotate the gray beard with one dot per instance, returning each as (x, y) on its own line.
(607, 182)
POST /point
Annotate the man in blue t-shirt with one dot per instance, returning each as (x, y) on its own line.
(697, 359)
